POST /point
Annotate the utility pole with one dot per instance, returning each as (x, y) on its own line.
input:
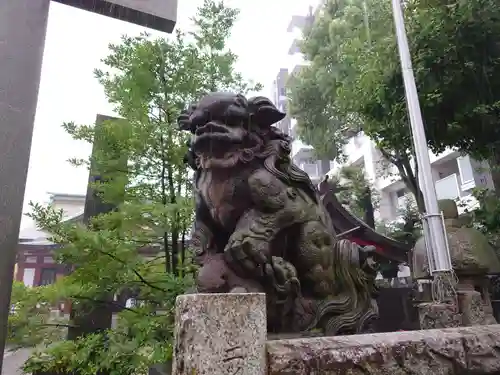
(436, 240)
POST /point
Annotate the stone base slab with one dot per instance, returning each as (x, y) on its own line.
(452, 351)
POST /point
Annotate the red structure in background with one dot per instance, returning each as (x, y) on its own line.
(36, 266)
(38, 259)
(350, 227)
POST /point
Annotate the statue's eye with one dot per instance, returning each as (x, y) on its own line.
(235, 115)
(200, 118)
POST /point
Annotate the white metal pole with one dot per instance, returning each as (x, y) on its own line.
(436, 230)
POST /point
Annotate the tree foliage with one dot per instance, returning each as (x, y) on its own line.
(357, 193)
(30, 320)
(139, 250)
(408, 227)
(355, 65)
(455, 57)
(313, 90)
(486, 215)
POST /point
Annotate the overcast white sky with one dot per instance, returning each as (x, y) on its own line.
(77, 41)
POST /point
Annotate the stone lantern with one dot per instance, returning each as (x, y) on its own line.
(473, 259)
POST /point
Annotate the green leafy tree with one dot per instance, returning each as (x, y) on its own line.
(455, 59)
(317, 118)
(149, 81)
(30, 319)
(355, 191)
(408, 227)
(485, 216)
(312, 90)
(213, 24)
(331, 92)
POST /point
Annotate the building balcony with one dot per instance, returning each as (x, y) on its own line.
(301, 22)
(300, 150)
(451, 187)
(356, 148)
(454, 177)
(448, 187)
(310, 168)
(445, 155)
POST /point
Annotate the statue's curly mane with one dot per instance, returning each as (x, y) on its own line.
(274, 151)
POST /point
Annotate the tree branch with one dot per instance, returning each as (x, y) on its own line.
(137, 273)
(105, 302)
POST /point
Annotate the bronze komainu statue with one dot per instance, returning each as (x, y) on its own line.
(260, 225)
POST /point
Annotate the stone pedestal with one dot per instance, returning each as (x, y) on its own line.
(439, 315)
(220, 334)
(474, 311)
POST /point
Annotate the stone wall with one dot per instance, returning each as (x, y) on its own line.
(454, 351)
(226, 334)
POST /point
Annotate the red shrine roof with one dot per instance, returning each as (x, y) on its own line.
(357, 231)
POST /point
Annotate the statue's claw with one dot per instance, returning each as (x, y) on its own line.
(247, 251)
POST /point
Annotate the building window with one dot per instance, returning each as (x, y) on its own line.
(48, 276)
(465, 168)
(401, 199)
(48, 260)
(310, 168)
(401, 193)
(31, 259)
(29, 276)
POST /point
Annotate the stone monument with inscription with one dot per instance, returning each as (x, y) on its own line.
(220, 334)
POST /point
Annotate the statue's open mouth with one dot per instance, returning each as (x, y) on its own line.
(211, 128)
(213, 137)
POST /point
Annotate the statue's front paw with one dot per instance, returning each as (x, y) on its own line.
(212, 276)
(248, 252)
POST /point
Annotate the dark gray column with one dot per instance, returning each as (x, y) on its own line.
(324, 166)
(23, 25)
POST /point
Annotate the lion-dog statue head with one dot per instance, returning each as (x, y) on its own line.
(228, 130)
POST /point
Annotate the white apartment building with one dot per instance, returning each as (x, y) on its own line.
(455, 175)
(302, 154)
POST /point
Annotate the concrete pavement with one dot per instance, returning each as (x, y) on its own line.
(12, 361)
